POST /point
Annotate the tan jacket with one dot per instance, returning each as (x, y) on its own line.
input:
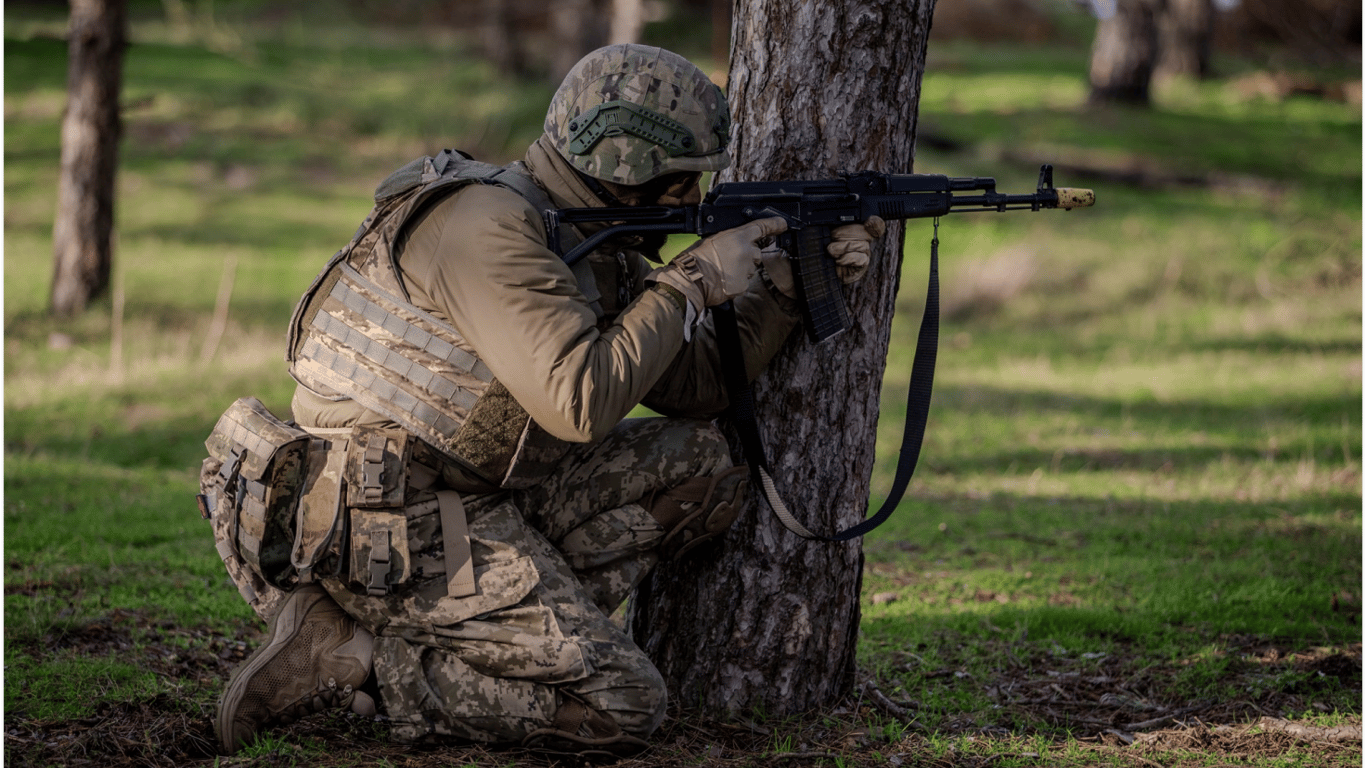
(479, 260)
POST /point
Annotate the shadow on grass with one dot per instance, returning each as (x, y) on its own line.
(1233, 417)
(1278, 344)
(1192, 142)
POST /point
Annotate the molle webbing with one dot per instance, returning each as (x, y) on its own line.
(389, 356)
(398, 327)
(354, 335)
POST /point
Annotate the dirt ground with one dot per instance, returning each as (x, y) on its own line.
(1107, 719)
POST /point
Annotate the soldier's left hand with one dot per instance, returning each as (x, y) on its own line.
(851, 246)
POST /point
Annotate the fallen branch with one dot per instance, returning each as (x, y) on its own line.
(1160, 720)
(1341, 733)
(885, 704)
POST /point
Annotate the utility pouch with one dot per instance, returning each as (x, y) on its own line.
(379, 550)
(376, 481)
(377, 467)
(250, 487)
(321, 529)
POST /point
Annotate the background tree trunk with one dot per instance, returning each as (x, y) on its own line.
(82, 233)
(577, 28)
(720, 32)
(1125, 52)
(498, 37)
(766, 618)
(628, 20)
(1185, 31)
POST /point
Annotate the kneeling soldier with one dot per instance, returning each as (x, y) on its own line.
(461, 503)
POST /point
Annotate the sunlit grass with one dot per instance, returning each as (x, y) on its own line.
(1148, 440)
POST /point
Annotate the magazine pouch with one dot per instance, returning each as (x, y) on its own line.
(250, 487)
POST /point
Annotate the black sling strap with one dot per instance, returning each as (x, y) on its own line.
(917, 408)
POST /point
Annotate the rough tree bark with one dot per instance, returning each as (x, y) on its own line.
(82, 233)
(767, 618)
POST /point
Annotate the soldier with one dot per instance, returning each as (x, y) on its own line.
(472, 504)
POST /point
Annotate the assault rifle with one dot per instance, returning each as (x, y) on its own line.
(811, 209)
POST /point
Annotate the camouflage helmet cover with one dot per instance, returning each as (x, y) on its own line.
(630, 113)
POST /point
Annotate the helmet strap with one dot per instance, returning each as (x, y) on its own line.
(611, 200)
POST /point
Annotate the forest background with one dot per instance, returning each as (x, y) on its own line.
(1135, 536)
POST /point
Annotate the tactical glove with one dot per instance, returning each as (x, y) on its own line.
(719, 268)
(850, 247)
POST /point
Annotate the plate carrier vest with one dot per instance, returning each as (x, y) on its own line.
(355, 335)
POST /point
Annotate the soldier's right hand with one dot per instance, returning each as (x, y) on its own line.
(719, 268)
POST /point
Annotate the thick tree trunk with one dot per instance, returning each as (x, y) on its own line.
(1185, 33)
(766, 618)
(1125, 52)
(82, 234)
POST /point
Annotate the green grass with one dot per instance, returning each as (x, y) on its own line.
(1144, 455)
(71, 688)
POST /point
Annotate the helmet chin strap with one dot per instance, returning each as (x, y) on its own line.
(608, 199)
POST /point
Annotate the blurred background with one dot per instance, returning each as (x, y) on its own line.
(1224, 141)
(1147, 414)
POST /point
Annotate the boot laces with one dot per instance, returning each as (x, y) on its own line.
(319, 699)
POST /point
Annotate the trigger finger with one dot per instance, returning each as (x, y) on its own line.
(767, 227)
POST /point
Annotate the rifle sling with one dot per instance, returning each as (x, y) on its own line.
(742, 411)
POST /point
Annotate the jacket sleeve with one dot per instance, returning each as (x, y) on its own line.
(694, 384)
(480, 260)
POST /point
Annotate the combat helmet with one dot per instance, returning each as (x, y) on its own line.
(630, 113)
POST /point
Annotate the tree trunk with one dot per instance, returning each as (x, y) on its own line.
(766, 618)
(499, 35)
(1124, 53)
(82, 234)
(720, 32)
(1185, 31)
(577, 27)
(628, 20)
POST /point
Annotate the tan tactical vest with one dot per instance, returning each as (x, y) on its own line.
(355, 335)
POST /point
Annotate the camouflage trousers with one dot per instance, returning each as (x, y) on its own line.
(551, 564)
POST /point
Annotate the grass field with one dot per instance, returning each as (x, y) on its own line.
(1134, 538)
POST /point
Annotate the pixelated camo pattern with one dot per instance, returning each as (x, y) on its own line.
(658, 80)
(551, 564)
(252, 478)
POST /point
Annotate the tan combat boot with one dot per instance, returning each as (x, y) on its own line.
(578, 729)
(314, 659)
